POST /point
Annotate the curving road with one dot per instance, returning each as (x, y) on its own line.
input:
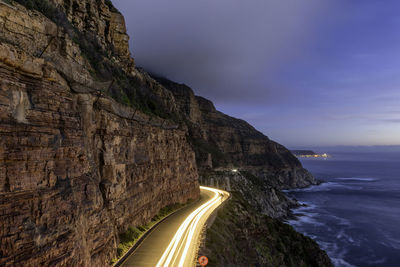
(176, 240)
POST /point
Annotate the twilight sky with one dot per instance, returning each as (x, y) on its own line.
(303, 72)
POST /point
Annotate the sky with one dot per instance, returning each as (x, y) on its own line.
(303, 72)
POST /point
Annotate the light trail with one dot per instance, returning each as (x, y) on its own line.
(178, 249)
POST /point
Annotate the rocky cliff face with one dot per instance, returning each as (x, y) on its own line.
(263, 198)
(101, 21)
(76, 167)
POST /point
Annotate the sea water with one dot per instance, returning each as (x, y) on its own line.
(355, 214)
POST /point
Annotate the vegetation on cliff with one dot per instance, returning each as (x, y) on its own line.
(43, 6)
(241, 236)
(129, 238)
(263, 198)
(124, 87)
(249, 229)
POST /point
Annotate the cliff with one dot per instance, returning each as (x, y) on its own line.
(91, 145)
(76, 167)
(224, 142)
(232, 155)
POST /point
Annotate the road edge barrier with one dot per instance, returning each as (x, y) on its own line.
(206, 225)
(143, 237)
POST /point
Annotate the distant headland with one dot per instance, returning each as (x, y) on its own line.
(308, 154)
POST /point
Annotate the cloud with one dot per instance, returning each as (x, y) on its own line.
(227, 50)
(391, 120)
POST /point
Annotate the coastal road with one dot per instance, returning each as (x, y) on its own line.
(176, 240)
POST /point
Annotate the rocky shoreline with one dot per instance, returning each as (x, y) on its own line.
(251, 229)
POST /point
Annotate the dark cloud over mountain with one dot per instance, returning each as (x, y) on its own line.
(279, 64)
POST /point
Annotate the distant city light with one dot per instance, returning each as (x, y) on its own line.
(324, 155)
(234, 170)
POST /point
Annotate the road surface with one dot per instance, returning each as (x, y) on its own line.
(176, 240)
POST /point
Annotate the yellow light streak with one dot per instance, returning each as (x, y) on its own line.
(185, 234)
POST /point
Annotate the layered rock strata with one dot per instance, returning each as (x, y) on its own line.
(76, 167)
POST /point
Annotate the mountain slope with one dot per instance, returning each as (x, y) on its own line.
(221, 141)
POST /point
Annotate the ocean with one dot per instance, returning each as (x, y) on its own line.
(355, 214)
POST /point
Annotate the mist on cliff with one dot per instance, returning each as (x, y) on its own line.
(306, 72)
